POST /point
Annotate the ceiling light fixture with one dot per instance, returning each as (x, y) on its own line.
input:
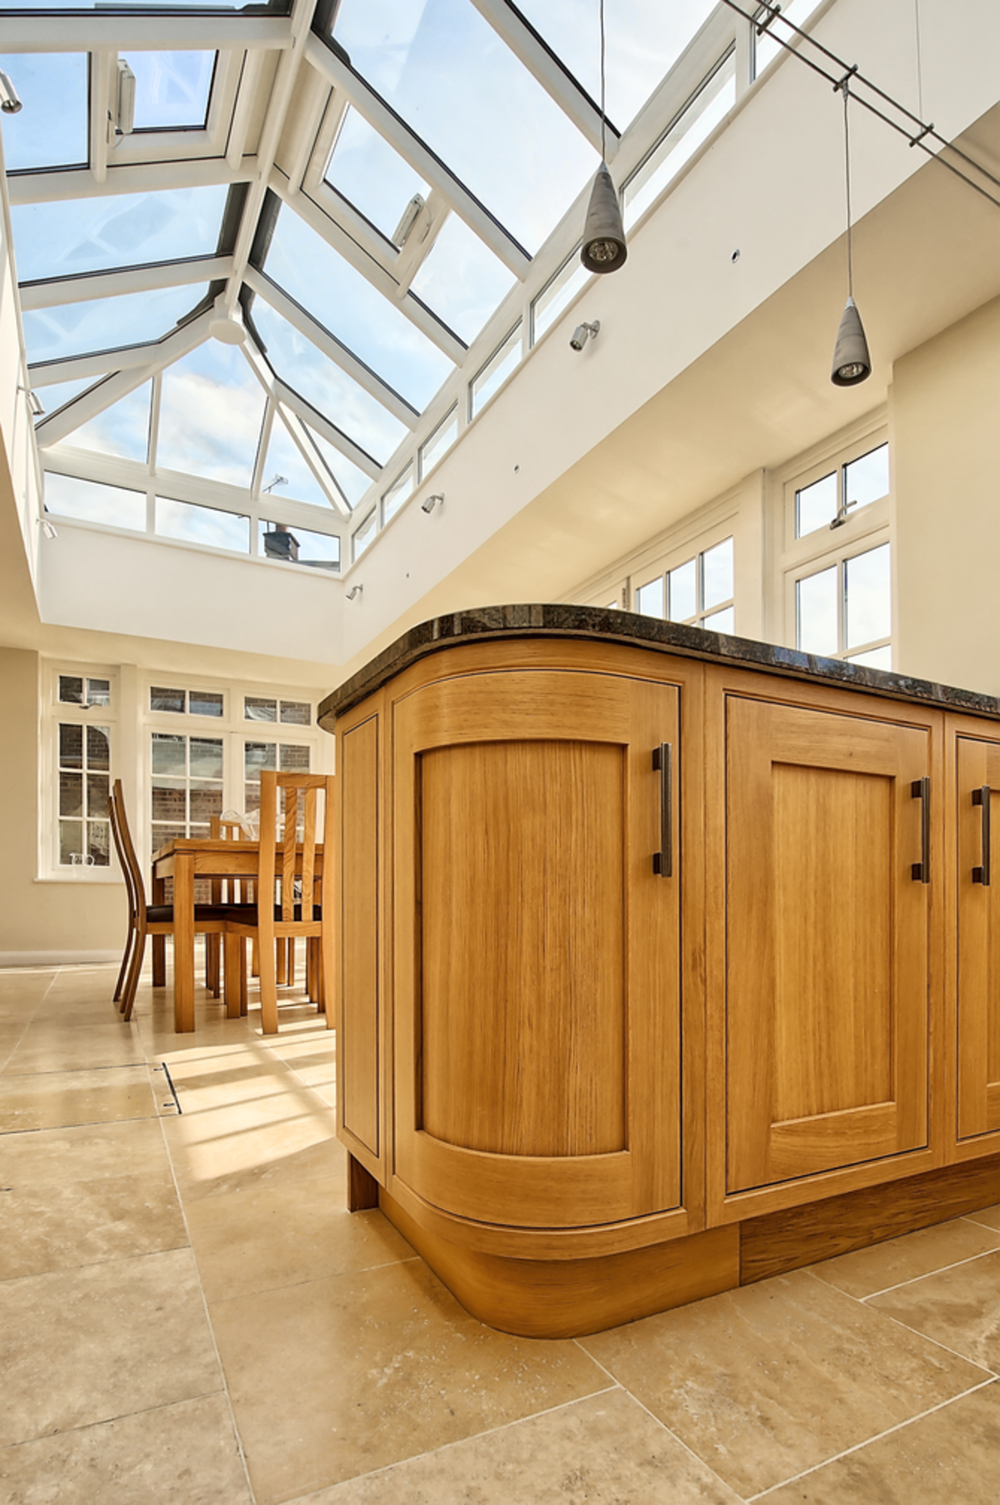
(34, 401)
(604, 248)
(430, 502)
(354, 592)
(584, 332)
(10, 101)
(851, 360)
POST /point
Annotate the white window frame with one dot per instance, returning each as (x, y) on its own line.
(54, 711)
(692, 545)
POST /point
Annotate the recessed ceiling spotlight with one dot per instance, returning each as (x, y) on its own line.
(735, 256)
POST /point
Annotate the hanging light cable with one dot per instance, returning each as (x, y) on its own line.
(851, 361)
(604, 248)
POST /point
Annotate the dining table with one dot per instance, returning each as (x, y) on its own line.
(185, 859)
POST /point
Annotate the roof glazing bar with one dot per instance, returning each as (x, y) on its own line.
(53, 292)
(157, 31)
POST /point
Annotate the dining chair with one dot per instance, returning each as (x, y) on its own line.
(288, 886)
(147, 919)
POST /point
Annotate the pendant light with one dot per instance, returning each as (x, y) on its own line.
(851, 361)
(604, 248)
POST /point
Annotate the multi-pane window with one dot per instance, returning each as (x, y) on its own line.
(189, 702)
(826, 502)
(698, 591)
(84, 772)
(288, 712)
(79, 689)
(845, 609)
(286, 757)
(186, 784)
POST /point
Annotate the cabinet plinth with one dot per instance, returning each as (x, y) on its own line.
(639, 951)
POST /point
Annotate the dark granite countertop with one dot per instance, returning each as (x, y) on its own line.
(564, 621)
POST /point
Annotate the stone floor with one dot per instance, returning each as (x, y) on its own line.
(188, 1316)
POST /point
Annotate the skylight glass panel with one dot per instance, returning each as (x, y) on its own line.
(171, 89)
(352, 481)
(211, 410)
(447, 73)
(644, 40)
(711, 105)
(286, 472)
(51, 128)
(461, 280)
(53, 334)
(365, 169)
(64, 238)
(320, 550)
(303, 368)
(122, 429)
(92, 502)
(58, 393)
(369, 324)
(190, 523)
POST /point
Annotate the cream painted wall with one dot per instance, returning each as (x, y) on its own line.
(945, 431)
(61, 921)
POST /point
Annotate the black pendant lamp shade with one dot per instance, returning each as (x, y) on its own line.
(604, 248)
(851, 361)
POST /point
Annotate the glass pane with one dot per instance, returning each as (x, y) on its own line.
(719, 621)
(867, 478)
(440, 442)
(161, 699)
(206, 757)
(70, 842)
(683, 583)
(193, 524)
(765, 49)
(205, 703)
(70, 689)
(649, 598)
(169, 801)
(285, 470)
(162, 834)
(70, 745)
(122, 429)
(816, 505)
(349, 478)
(557, 295)
(875, 658)
(70, 793)
(98, 747)
(98, 692)
(206, 800)
(97, 795)
(169, 753)
(258, 755)
(717, 574)
(54, 334)
(320, 551)
(363, 537)
(301, 366)
(91, 502)
(294, 759)
(98, 842)
(366, 170)
(497, 369)
(296, 713)
(397, 494)
(306, 267)
(461, 280)
(171, 88)
(869, 614)
(56, 395)
(211, 410)
(681, 142)
(51, 129)
(452, 79)
(256, 708)
(69, 236)
(818, 608)
(643, 43)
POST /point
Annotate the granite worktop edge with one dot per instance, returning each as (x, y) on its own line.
(604, 625)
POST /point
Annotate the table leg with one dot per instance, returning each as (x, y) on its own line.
(184, 942)
(159, 941)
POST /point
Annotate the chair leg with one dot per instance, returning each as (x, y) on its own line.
(213, 964)
(244, 1007)
(320, 978)
(131, 986)
(123, 970)
(290, 964)
(282, 962)
(255, 958)
(233, 947)
(269, 985)
(159, 961)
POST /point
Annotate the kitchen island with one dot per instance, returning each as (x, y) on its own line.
(664, 959)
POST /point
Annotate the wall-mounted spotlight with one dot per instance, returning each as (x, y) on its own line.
(34, 401)
(584, 332)
(430, 502)
(10, 101)
(354, 592)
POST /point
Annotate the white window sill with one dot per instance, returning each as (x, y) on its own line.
(85, 878)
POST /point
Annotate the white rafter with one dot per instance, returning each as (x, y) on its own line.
(82, 31)
(78, 183)
(54, 292)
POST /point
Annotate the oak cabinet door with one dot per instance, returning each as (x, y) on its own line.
(827, 941)
(978, 799)
(536, 950)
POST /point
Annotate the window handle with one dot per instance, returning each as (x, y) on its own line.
(982, 797)
(920, 790)
(663, 860)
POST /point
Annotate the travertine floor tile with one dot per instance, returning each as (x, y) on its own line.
(51, 1047)
(959, 1308)
(84, 1151)
(102, 1341)
(184, 1454)
(907, 1258)
(951, 1455)
(605, 1450)
(10, 1035)
(390, 1366)
(54, 1098)
(279, 1235)
(769, 1380)
(989, 1216)
(231, 1149)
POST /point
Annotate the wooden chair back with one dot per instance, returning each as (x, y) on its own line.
(298, 830)
(230, 890)
(126, 853)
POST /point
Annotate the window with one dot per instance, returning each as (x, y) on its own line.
(844, 610)
(74, 689)
(495, 372)
(439, 443)
(290, 712)
(84, 754)
(826, 502)
(364, 535)
(398, 493)
(286, 757)
(698, 591)
(192, 702)
(695, 123)
(186, 784)
(557, 294)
